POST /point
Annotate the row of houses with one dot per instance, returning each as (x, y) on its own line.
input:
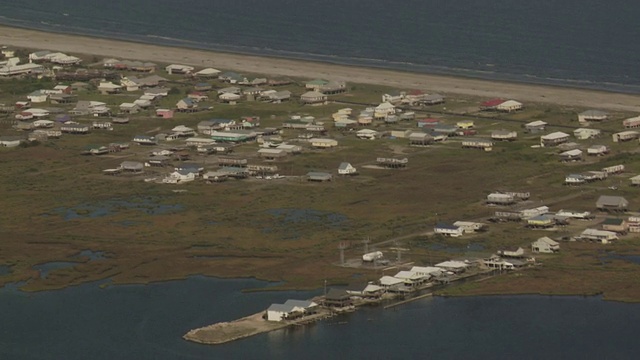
(591, 176)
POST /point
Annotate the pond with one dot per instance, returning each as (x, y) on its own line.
(150, 206)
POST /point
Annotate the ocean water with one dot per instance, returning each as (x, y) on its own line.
(586, 43)
(147, 322)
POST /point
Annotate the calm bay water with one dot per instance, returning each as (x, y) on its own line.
(146, 322)
(586, 43)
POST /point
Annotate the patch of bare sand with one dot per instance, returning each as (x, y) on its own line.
(276, 66)
(229, 331)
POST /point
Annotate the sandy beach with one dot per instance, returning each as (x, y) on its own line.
(17, 37)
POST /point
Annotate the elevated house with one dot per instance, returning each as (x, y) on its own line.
(134, 167)
(229, 98)
(38, 96)
(512, 252)
(144, 140)
(365, 290)
(482, 144)
(313, 97)
(272, 154)
(431, 99)
(420, 139)
(277, 97)
(554, 139)
(469, 226)
(448, 230)
(509, 106)
(392, 163)
(322, 143)
(535, 126)
(491, 105)
(616, 225)
(332, 87)
(129, 108)
(597, 150)
(107, 87)
(625, 136)
(391, 284)
(601, 236)
(367, 134)
(465, 124)
(394, 97)
(74, 128)
(585, 134)
(631, 123)
(179, 69)
(592, 115)
(545, 245)
(319, 176)
(316, 84)
(612, 203)
(291, 309)
(571, 155)
(11, 141)
(541, 222)
(187, 105)
(208, 73)
(383, 110)
(231, 77)
(500, 199)
(453, 266)
(337, 298)
(164, 113)
(504, 135)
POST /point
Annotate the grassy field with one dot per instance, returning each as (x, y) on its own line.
(57, 203)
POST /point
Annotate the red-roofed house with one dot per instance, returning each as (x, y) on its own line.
(428, 123)
(491, 104)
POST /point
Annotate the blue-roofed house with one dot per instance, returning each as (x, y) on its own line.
(187, 104)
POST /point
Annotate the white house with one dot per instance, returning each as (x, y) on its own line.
(601, 236)
(554, 138)
(504, 135)
(448, 230)
(592, 115)
(323, 143)
(597, 150)
(584, 133)
(545, 245)
(367, 134)
(509, 106)
(383, 110)
(179, 69)
(346, 169)
(390, 283)
(468, 226)
(180, 176)
(107, 87)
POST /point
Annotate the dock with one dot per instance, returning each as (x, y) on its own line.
(402, 302)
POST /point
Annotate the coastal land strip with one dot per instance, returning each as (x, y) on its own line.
(289, 230)
(309, 69)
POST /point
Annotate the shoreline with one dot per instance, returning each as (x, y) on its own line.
(279, 66)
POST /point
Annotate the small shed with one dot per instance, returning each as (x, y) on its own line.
(319, 176)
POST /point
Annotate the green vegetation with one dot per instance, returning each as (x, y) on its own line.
(57, 203)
